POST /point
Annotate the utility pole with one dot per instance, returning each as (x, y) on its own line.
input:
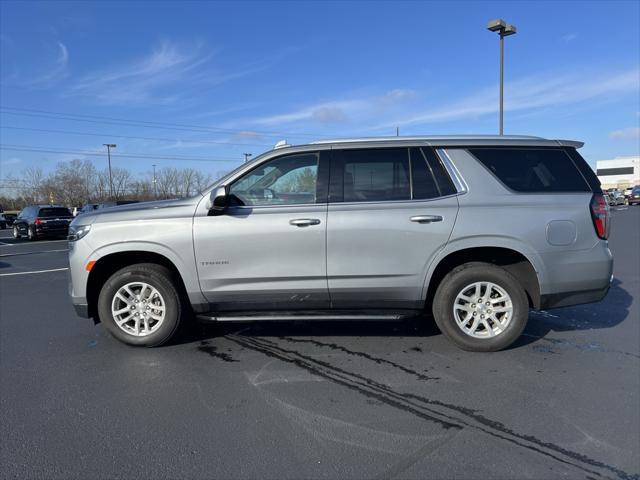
(504, 30)
(397, 131)
(246, 157)
(155, 182)
(109, 147)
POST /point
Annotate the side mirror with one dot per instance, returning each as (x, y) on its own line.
(219, 201)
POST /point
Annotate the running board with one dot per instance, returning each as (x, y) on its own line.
(324, 315)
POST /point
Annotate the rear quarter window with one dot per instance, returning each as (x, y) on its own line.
(533, 170)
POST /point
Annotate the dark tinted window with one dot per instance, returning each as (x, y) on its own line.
(376, 175)
(424, 185)
(54, 212)
(440, 174)
(533, 170)
(587, 172)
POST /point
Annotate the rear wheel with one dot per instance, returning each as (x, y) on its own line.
(481, 307)
(31, 234)
(16, 232)
(140, 305)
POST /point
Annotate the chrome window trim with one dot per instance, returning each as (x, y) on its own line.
(456, 178)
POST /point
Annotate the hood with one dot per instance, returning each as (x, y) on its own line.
(141, 211)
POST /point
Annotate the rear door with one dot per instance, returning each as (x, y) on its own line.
(390, 211)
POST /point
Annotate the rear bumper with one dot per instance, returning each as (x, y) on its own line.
(576, 277)
(51, 232)
(566, 299)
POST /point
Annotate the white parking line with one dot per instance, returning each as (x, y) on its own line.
(36, 271)
(32, 253)
(40, 242)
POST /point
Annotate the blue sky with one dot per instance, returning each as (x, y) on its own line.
(221, 79)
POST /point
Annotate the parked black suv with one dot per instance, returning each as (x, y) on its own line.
(37, 221)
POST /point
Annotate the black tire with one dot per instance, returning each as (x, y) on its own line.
(455, 281)
(159, 277)
(3, 226)
(31, 234)
(16, 232)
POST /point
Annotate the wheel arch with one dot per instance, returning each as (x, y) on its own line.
(513, 261)
(107, 265)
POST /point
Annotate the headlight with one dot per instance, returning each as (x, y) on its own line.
(76, 232)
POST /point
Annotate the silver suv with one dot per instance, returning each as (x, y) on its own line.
(476, 230)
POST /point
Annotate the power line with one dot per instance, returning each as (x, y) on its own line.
(142, 123)
(38, 149)
(107, 135)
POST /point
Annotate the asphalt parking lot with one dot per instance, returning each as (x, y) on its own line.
(316, 400)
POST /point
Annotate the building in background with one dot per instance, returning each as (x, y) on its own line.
(621, 172)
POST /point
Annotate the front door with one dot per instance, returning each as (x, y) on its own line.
(268, 250)
(391, 210)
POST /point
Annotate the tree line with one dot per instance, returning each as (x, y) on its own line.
(76, 183)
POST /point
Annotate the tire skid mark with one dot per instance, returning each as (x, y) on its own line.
(378, 360)
(417, 405)
(325, 370)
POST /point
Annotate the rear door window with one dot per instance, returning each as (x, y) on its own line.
(375, 175)
(532, 170)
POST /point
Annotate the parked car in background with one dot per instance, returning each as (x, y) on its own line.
(38, 221)
(9, 218)
(467, 228)
(116, 203)
(627, 192)
(89, 207)
(3, 221)
(634, 196)
(616, 197)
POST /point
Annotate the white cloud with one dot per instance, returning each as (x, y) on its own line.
(631, 133)
(340, 111)
(56, 72)
(161, 77)
(534, 92)
(569, 37)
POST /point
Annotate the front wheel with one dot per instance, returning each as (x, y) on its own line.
(140, 305)
(481, 307)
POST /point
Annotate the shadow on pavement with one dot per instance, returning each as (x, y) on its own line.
(613, 310)
(608, 313)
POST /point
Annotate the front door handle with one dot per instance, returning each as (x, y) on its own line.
(304, 222)
(426, 218)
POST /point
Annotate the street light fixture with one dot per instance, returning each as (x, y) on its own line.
(504, 30)
(109, 147)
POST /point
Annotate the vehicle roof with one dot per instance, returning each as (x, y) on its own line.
(46, 206)
(458, 140)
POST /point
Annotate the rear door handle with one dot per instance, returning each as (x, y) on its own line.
(304, 222)
(426, 218)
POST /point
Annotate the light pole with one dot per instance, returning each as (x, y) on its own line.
(109, 147)
(155, 189)
(246, 157)
(504, 30)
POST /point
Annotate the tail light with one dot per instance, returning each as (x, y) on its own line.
(600, 215)
(37, 221)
